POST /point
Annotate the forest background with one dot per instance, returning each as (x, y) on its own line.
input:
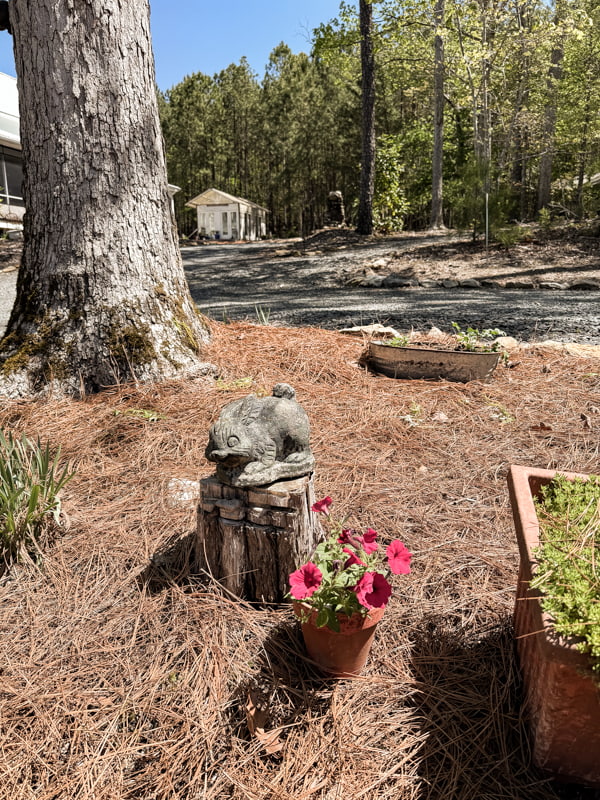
(518, 84)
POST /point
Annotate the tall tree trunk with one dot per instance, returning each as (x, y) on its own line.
(583, 145)
(485, 127)
(437, 217)
(518, 135)
(364, 224)
(549, 125)
(101, 293)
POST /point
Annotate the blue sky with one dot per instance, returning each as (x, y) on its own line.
(203, 36)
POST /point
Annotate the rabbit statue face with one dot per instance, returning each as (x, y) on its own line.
(230, 443)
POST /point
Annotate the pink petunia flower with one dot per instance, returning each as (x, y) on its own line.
(352, 558)
(373, 590)
(369, 544)
(305, 581)
(347, 536)
(322, 506)
(398, 558)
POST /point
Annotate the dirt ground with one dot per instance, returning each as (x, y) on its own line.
(123, 675)
(563, 254)
(336, 279)
(537, 261)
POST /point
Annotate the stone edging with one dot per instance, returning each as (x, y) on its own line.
(394, 281)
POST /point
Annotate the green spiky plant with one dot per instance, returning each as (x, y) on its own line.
(31, 479)
(568, 573)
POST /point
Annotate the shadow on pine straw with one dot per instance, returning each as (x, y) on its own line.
(283, 684)
(169, 565)
(470, 705)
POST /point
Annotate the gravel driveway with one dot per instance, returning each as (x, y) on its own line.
(249, 281)
(258, 282)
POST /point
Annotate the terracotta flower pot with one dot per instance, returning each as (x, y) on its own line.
(562, 697)
(343, 654)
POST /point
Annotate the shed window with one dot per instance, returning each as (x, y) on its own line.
(11, 177)
(224, 222)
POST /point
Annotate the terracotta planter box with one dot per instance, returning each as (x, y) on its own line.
(421, 362)
(562, 698)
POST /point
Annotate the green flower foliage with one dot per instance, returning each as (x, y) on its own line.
(568, 572)
(30, 482)
(347, 573)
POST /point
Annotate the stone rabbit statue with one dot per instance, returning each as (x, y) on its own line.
(260, 440)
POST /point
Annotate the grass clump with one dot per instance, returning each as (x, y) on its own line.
(569, 560)
(30, 482)
(510, 236)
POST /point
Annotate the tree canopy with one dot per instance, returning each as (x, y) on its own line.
(520, 126)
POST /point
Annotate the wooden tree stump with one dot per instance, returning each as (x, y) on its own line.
(250, 539)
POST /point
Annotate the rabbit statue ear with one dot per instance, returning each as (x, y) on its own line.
(249, 409)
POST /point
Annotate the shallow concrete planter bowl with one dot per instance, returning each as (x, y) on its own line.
(562, 698)
(421, 362)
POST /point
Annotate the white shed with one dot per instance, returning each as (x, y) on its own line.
(223, 216)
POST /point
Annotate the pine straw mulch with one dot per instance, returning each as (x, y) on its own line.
(123, 676)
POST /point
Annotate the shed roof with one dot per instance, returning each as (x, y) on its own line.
(215, 197)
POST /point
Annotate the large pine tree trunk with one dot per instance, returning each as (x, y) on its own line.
(549, 126)
(101, 294)
(437, 217)
(549, 129)
(364, 223)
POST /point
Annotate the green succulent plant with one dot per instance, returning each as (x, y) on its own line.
(568, 573)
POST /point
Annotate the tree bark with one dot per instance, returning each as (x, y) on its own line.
(101, 293)
(437, 216)
(364, 224)
(547, 157)
(583, 147)
(550, 114)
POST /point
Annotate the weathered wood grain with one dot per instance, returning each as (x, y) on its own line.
(251, 539)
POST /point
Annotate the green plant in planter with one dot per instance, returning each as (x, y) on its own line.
(568, 573)
(399, 341)
(469, 339)
(472, 338)
(30, 482)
